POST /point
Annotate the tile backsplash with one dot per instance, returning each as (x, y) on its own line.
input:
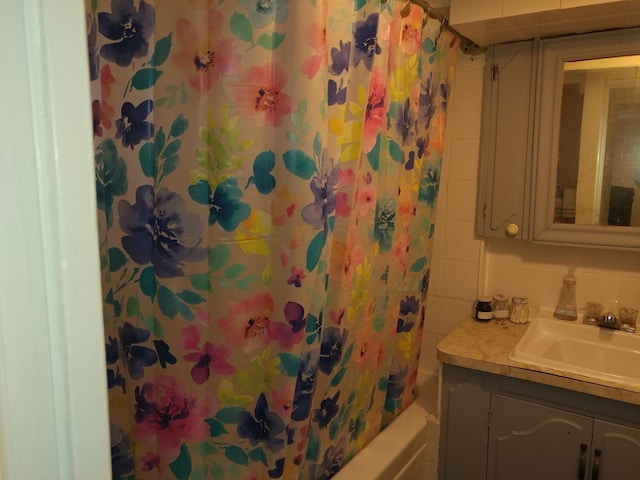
(464, 266)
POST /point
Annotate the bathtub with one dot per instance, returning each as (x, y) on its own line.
(408, 448)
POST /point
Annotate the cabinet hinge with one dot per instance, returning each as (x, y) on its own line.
(494, 71)
(484, 211)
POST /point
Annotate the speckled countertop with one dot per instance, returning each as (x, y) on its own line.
(486, 347)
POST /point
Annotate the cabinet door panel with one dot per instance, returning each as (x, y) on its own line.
(506, 140)
(620, 447)
(532, 442)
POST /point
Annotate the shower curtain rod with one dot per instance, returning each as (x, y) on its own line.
(467, 46)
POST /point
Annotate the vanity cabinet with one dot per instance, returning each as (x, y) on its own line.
(501, 428)
(507, 129)
(529, 441)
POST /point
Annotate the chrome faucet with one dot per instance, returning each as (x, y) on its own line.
(608, 320)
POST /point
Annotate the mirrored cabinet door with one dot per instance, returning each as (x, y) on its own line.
(560, 155)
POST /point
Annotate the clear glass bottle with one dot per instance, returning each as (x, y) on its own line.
(566, 308)
(500, 307)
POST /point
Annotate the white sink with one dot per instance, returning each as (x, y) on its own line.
(570, 346)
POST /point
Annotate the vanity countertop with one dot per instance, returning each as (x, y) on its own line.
(486, 346)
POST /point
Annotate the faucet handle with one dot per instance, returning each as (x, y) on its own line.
(628, 318)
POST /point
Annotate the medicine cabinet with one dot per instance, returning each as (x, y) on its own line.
(560, 149)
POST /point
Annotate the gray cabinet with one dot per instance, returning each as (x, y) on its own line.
(530, 442)
(500, 428)
(507, 129)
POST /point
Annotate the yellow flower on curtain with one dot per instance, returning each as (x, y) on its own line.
(227, 394)
(409, 344)
(251, 233)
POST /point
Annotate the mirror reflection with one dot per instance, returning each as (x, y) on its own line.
(598, 177)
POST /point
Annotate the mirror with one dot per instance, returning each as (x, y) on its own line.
(598, 174)
(587, 148)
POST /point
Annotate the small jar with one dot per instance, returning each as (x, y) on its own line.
(519, 310)
(484, 312)
(500, 307)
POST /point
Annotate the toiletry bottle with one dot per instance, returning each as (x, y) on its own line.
(566, 308)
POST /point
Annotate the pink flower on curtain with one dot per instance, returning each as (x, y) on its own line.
(258, 95)
(250, 324)
(375, 119)
(166, 416)
(106, 80)
(406, 33)
(345, 257)
(283, 206)
(316, 38)
(210, 358)
(204, 56)
(401, 250)
(366, 199)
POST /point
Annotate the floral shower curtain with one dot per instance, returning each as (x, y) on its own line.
(266, 174)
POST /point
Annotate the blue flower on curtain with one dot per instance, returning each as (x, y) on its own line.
(264, 12)
(331, 349)
(365, 41)
(225, 207)
(336, 95)
(324, 188)
(94, 58)
(397, 379)
(121, 453)
(406, 123)
(112, 351)
(136, 356)
(328, 410)
(130, 28)
(340, 58)
(444, 93)
(132, 127)
(427, 105)
(160, 231)
(332, 461)
(305, 384)
(265, 427)
(409, 305)
(356, 426)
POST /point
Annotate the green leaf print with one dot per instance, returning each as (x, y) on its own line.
(270, 41)
(236, 455)
(179, 126)
(161, 51)
(299, 163)
(117, 259)
(145, 78)
(218, 257)
(148, 284)
(181, 466)
(147, 157)
(241, 27)
(315, 250)
(111, 177)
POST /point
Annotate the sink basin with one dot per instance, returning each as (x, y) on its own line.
(586, 350)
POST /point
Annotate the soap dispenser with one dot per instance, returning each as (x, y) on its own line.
(567, 308)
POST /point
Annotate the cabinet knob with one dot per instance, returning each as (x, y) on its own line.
(512, 229)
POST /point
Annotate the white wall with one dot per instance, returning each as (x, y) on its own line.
(53, 405)
(464, 266)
